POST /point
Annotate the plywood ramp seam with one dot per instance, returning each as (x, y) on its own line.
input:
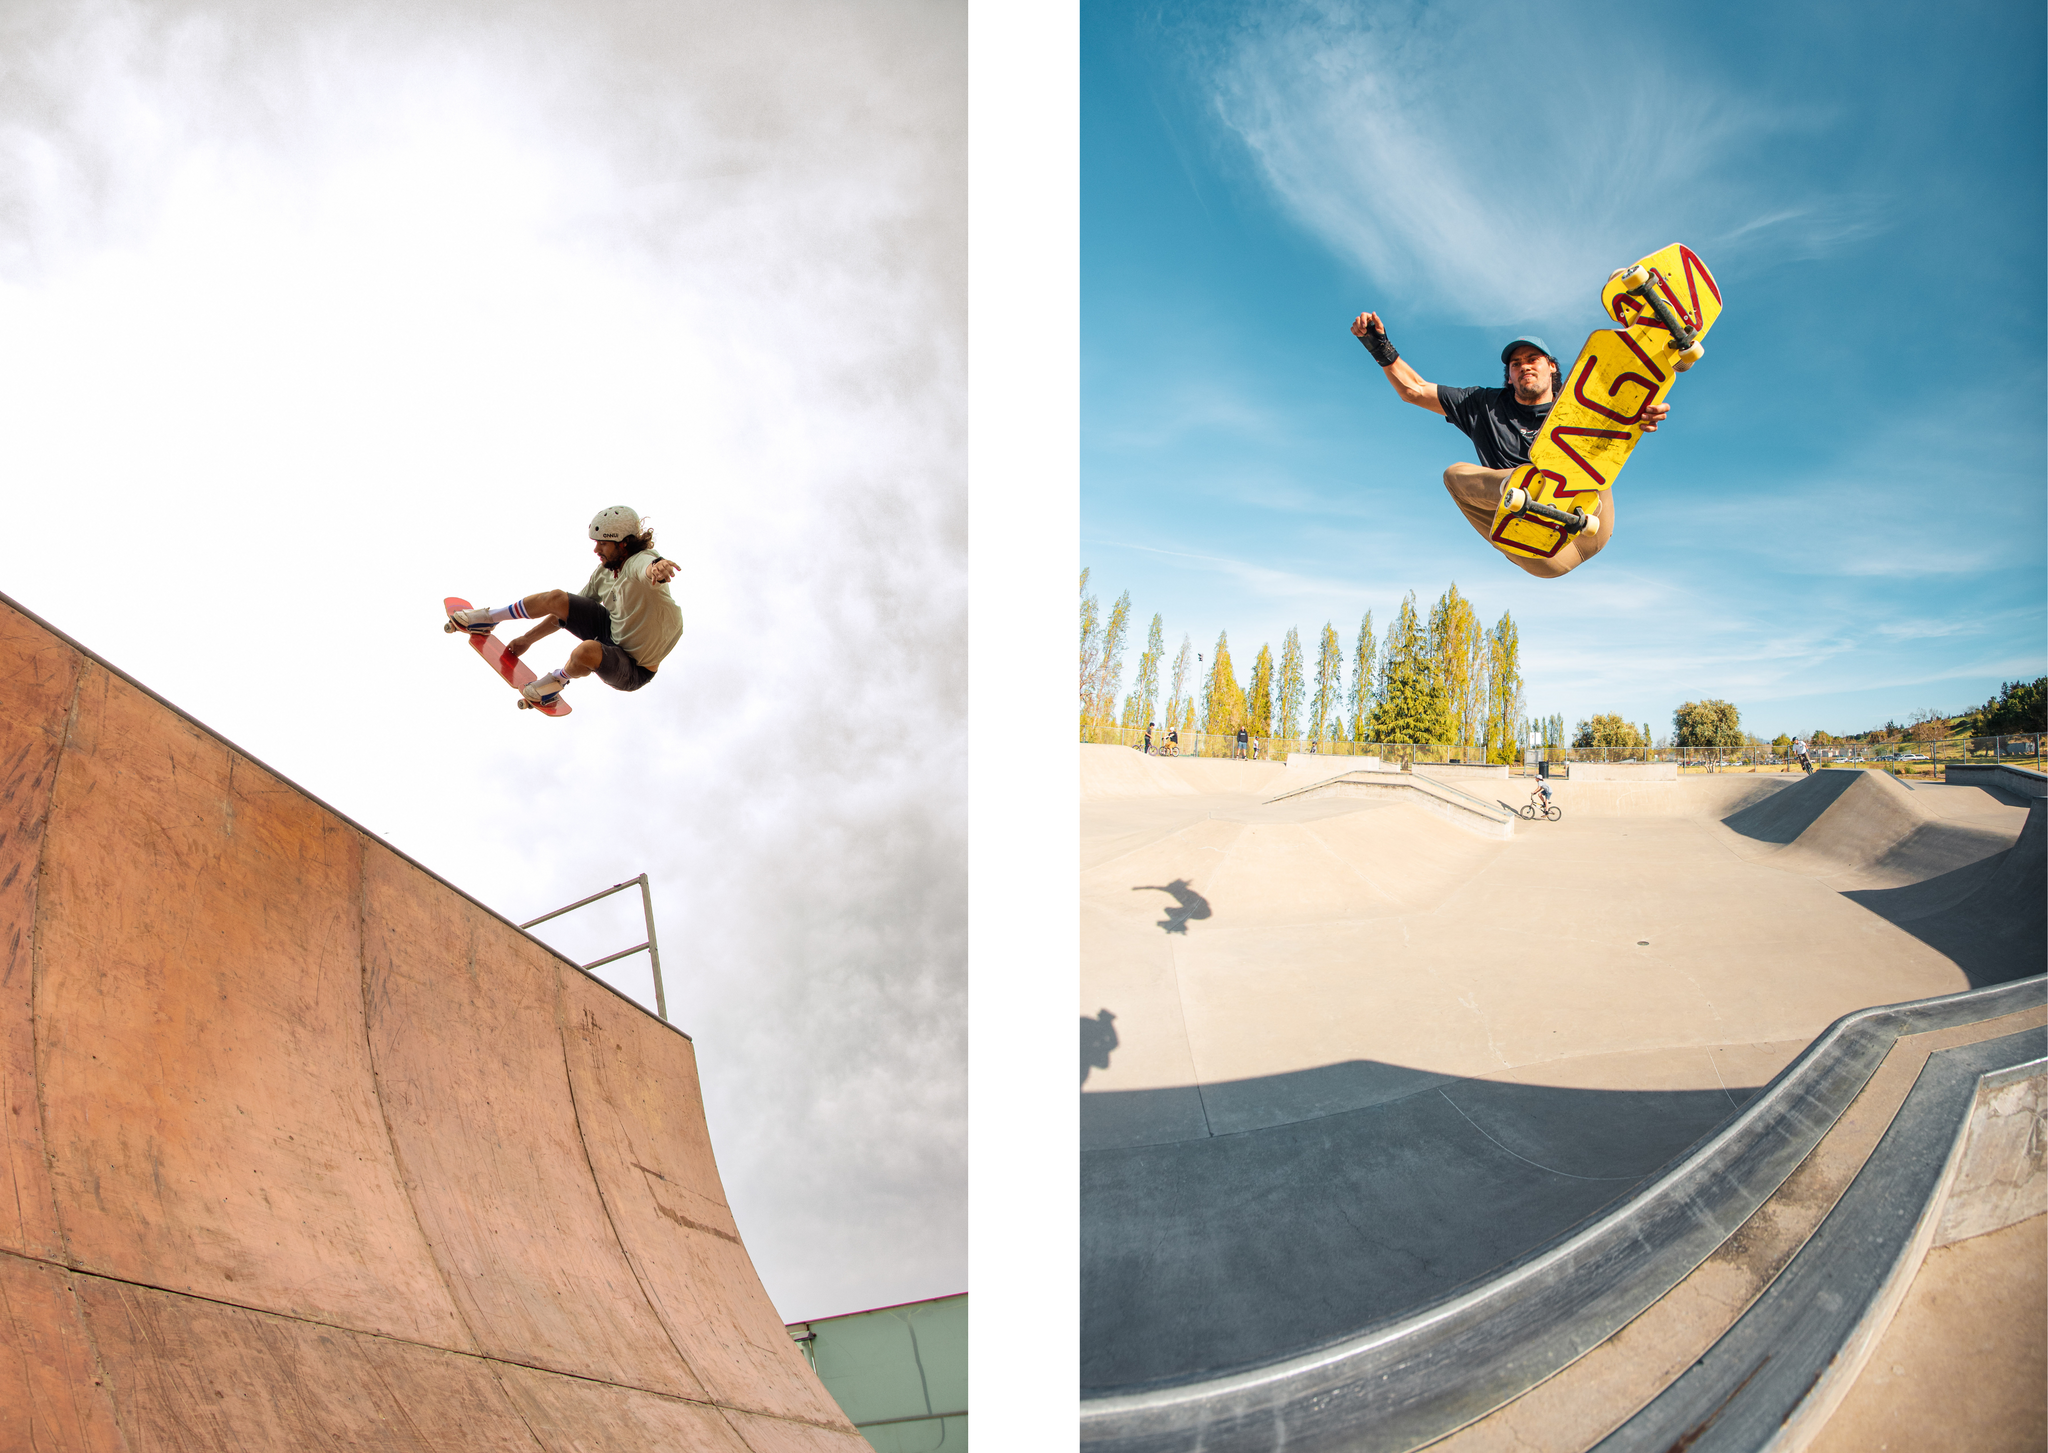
(385, 1337)
(35, 960)
(603, 1200)
(398, 1165)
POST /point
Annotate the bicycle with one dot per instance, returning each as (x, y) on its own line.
(1540, 804)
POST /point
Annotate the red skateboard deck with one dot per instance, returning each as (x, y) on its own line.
(511, 670)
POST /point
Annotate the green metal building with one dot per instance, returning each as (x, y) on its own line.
(899, 1373)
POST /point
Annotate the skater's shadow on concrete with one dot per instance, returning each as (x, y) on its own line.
(1098, 1039)
(1188, 904)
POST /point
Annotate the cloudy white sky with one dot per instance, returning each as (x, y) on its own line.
(1844, 521)
(318, 312)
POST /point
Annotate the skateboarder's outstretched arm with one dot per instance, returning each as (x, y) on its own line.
(1410, 385)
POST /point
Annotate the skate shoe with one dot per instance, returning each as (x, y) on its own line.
(542, 690)
(475, 621)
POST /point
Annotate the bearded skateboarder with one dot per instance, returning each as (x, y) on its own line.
(624, 615)
(1502, 424)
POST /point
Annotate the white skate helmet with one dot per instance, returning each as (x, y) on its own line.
(615, 523)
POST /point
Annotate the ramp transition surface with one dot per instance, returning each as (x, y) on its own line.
(304, 1149)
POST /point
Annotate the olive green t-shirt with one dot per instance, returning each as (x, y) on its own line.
(646, 621)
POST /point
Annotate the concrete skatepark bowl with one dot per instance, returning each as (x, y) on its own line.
(1359, 1052)
(305, 1149)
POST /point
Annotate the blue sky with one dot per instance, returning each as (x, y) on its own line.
(1843, 521)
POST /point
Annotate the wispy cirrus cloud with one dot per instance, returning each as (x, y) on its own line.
(1386, 131)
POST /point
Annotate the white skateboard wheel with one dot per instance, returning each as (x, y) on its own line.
(1689, 357)
(1592, 525)
(1514, 500)
(1635, 277)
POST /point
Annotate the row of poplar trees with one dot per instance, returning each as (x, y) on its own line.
(1442, 678)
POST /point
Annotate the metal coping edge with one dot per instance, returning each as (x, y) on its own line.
(1111, 1416)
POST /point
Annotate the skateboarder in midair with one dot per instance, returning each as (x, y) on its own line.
(625, 617)
(1501, 423)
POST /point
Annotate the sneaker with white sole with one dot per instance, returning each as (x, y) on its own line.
(543, 690)
(476, 621)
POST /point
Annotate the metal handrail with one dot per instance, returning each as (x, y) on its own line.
(653, 951)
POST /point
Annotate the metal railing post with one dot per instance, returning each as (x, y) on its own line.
(653, 950)
(653, 953)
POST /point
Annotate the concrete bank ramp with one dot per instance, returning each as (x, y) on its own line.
(1474, 806)
(1939, 861)
(305, 1149)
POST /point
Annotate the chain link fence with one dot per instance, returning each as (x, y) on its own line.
(1904, 759)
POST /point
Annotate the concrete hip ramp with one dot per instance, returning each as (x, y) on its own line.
(305, 1149)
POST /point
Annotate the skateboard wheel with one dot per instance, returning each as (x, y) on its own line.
(1689, 357)
(1514, 500)
(1588, 524)
(1635, 277)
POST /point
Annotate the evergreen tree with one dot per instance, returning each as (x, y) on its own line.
(1411, 705)
(1362, 663)
(1329, 683)
(1261, 703)
(2020, 706)
(1142, 705)
(1291, 687)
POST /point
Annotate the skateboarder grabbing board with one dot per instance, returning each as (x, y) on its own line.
(516, 673)
(1551, 441)
(625, 618)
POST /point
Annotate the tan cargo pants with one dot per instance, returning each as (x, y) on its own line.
(1477, 493)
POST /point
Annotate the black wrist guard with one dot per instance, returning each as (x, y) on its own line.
(1380, 347)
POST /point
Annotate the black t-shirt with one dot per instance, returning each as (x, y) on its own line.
(1499, 428)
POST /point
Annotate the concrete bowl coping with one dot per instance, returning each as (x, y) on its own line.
(2000, 776)
(1404, 1385)
(1773, 1380)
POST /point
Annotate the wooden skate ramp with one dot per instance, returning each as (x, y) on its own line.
(304, 1149)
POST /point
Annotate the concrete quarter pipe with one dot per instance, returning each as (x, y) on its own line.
(304, 1149)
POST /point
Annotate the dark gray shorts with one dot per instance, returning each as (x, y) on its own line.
(590, 621)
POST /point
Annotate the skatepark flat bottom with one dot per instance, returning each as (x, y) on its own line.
(1342, 1057)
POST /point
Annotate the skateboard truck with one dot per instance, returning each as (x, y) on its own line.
(1640, 282)
(1573, 521)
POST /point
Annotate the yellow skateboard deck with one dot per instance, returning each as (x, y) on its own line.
(1601, 397)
